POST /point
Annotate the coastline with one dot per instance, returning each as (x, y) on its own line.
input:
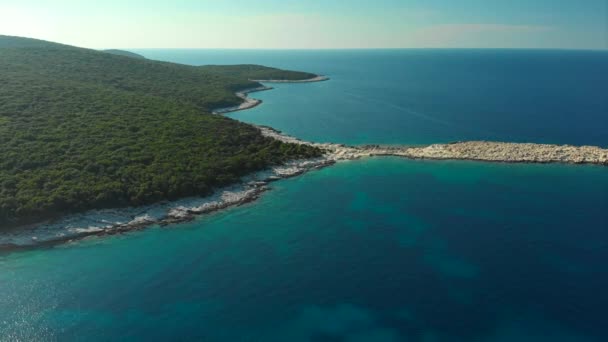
(111, 222)
(117, 221)
(318, 78)
(481, 151)
(248, 102)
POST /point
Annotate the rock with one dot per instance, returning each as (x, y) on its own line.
(468, 150)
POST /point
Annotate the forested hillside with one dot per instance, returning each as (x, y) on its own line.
(124, 53)
(256, 72)
(83, 129)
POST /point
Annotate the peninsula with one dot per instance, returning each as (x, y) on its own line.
(488, 151)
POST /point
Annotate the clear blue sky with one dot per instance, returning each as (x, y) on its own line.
(580, 24)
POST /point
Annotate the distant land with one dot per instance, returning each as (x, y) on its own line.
(82, 129)
(124, 53)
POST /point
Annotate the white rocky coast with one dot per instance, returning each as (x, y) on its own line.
(319, 78)
(469, 150)
(248, 102)
(110, 222)
(512, 152)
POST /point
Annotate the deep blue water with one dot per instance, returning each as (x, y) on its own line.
(383, 249)
(430, 96)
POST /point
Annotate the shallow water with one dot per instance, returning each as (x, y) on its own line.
(383, 249)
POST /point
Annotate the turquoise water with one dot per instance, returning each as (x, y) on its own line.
(452, 251)
(383, 249)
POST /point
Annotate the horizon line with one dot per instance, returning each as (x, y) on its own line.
(321, 48)
(359, 48)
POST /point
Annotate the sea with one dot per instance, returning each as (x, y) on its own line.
(380, 249)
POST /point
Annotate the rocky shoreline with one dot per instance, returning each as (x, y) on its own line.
(469, 150)
(111, 222)
(510, 152)
(248, 102)
(319, 78)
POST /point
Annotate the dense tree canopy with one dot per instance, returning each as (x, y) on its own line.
(83, 129)
(255, 72)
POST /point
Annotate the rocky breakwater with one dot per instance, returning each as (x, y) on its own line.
(469, 150)
(511, 152)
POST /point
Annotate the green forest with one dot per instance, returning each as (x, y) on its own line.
(83, 129)
(124, 53)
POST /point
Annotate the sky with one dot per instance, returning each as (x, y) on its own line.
(311, 24)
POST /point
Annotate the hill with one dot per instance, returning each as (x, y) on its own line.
(124, 53)
(83, 129)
